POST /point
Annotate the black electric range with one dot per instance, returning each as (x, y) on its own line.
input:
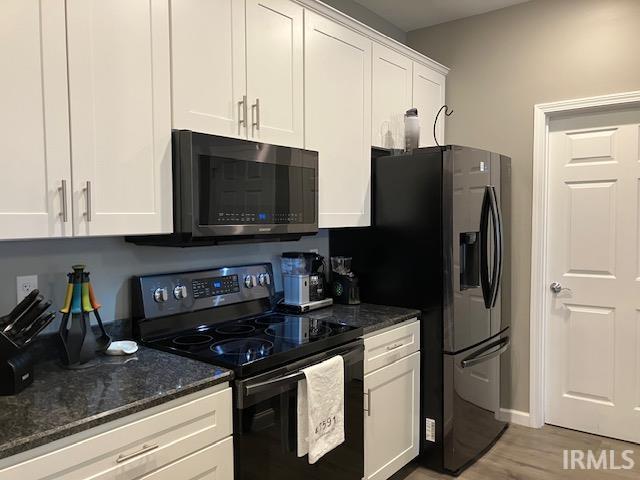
(225, 316)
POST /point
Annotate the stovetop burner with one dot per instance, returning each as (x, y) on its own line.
(236, 330)
(272, 319)
(248, 349)
(192, 340)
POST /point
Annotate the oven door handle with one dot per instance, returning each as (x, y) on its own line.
(254, 388)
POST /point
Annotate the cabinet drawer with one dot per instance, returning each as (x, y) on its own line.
(387, 347)
(211, 463)
(136, 448)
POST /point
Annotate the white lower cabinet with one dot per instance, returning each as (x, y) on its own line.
(184, 439)
(392, 416)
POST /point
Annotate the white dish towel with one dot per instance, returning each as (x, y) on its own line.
(321, 408)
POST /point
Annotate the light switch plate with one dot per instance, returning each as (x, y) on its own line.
(25, 284)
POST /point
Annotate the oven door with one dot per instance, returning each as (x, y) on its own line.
(231, 187)
(265, 443)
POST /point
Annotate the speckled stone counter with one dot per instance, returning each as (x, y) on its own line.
(366, 315)
(63, 402)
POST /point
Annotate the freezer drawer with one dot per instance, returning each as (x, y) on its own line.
(472, 385)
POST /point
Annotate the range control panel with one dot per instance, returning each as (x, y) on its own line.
(214, 286)
(169, 294)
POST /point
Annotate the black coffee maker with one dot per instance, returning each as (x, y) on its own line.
(344, 284)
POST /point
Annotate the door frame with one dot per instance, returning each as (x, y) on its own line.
(542, 115)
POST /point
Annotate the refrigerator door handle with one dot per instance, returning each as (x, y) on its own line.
(485, 281)
(498, 249)
(480, 356)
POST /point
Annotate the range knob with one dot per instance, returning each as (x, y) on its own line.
(160, 295)
(264, 279)
(250, 281)
(180, 292)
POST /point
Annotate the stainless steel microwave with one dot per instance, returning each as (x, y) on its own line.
(227, 189)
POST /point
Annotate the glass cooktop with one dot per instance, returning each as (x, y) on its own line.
(252, 345)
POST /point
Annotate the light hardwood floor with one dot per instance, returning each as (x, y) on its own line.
(536, 454)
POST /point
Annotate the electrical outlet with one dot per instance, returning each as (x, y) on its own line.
(26, 284)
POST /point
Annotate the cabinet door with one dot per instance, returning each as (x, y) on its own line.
(392, 96)
(211, 463)
(338, 119)
(428, 97)
(119, 84)
(391, 425)
(34, 124)
(275, 71)
(208, 66)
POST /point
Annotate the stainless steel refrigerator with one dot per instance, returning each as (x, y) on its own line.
(440, 242)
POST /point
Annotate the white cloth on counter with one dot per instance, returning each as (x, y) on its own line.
(321, 409)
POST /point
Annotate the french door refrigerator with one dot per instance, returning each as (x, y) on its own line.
(440, 242)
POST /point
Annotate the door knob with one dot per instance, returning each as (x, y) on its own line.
(556, 287)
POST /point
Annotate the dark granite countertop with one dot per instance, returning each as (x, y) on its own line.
(62, 402)
(366, 315)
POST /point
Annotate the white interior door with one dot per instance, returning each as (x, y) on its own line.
(428, 97)
(34, 121)
(120, 109)
(391, 96)
(208, 66)
(275, 72)
(593, 327)
(338, 119)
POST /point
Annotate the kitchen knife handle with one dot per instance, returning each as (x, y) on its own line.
(87, 189)
(63, 200)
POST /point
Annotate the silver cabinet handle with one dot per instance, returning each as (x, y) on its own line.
(242, 114)
(394, 347)
(255, 114)
(87, 189)
(368, 409)
(63, 200)
(145, 449)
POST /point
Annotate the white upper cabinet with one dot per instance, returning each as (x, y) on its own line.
(34, 124)
(338, 119)
(208, 66)
(120, 109)
(392, 96)
(428, 98)
(238, 69)
(275, 71)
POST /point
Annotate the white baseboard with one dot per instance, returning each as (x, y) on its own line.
(516, 417)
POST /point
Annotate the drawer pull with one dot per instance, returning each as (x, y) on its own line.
(368, 409)
(145, 449)
(394, 347)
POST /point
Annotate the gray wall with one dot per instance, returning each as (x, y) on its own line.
(504, 62)
(112, 262)
(366, 16)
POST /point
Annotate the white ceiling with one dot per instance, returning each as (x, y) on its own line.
(412, 14)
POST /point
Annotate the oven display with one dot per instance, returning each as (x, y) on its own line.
(212, 287)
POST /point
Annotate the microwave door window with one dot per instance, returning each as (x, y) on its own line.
(241, 192)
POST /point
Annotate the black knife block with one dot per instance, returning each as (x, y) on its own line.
(16, 367)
